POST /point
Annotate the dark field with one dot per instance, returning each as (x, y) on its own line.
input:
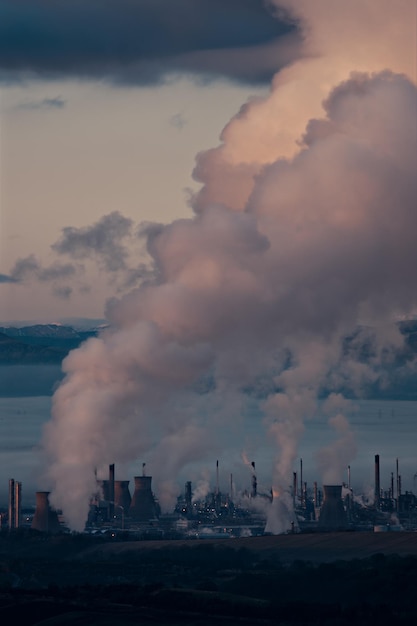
(328, 578)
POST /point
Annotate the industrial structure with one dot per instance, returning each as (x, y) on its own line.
(45, 518)
(113, 508)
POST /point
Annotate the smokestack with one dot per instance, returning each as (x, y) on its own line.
(294, 487)
(398, 486)
(45, 518)
(17, 503)
(11, 504)
(143, 506)
(301, 480)
(332, 514)
(377, 482)
(348, 477)
(188, 498)
(254, 486)
(217, 478)
(111, 491)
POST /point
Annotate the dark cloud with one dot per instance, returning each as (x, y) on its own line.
(4, 278)
(62, 292)
(45, 103)
(103, 240)
(143, 41)
(29, 268)
(178, 121)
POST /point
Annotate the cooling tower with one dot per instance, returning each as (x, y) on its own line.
(45, 518)
(122, 497)
(104, 489)
(332, 512)
(143, 506)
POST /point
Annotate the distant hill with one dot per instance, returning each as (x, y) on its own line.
(28, 348)
(41, 343)
(18, 352)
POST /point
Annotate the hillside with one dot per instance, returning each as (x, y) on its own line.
(288, 580)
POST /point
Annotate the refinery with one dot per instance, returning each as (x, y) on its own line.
(117, 511)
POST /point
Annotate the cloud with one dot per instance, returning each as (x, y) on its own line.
(114, 244)
(4, 278)
(45, 103)
(29, 267)
(103, 239)
(178, 121)
(144, 42)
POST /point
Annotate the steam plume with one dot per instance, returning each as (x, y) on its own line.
(304, 229)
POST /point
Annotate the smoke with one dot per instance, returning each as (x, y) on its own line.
(333, 459)
(304, 231)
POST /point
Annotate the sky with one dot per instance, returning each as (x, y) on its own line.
(104, 107)
(231, 185)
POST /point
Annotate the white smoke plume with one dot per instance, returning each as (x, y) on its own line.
(304, 229)
(333, 459)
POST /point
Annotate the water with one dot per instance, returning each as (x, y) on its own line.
(387, 428)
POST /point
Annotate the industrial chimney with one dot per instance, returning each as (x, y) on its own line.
(332, 513)
(15, 498)
(143, 507)
(188, 497)
(111, 491)
(377, 482)
(45, 518)
(254, 481)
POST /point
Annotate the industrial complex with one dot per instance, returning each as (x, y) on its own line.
(116, 509)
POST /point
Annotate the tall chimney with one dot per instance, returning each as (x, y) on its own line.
(377, 482)
(188, 496)
(254, 481)
(45, 518)
(111, 491)
(332, 514)
(398, 487)
(17, 503)
(12, 518)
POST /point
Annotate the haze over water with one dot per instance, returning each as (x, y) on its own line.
(387, 428)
